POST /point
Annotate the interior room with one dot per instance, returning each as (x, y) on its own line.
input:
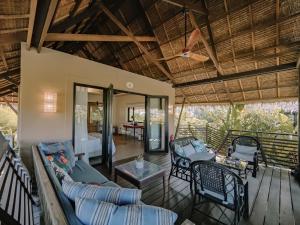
(128, 124)
(149, 112)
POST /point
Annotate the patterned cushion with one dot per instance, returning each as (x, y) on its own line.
(116, 195)
(179, 150)
(61, 160)
(60, 173)
(243, 149)
(188, 150)
(198, 145)
(51, 148)
(93, 212)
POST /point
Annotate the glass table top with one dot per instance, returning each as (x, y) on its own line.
(149, 170)
(233, 163)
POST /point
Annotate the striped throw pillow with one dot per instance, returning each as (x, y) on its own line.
(93, 212)
(116, 195)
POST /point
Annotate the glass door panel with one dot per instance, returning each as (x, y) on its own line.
(157, 124)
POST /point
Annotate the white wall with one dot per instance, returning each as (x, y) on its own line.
(52, 70)
(122, 102)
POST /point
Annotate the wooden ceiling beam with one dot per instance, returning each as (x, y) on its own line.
(75, 8)
(33, 4)
(8, 87)
(9, 91)
(127, 32)
(96, 38)
(45, 12)
(89, 12)
(251, 73)
(196, 7)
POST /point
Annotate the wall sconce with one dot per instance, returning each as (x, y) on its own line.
(50, 102)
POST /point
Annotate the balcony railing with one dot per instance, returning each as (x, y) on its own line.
(278, 149)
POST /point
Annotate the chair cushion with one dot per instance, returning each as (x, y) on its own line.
(116, 195)
(188, 150)
(202, 156)
(66, 147)
(60, 173)
(179, 150)
(198, 145)
(245, 157)
(82, 172)
(93, 212)
(61, 160)
(243, 149)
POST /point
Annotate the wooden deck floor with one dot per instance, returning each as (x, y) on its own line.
(274, 197)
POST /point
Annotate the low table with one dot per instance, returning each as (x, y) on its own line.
(233, 164)
(140, 177)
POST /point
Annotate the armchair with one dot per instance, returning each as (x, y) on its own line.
(246, 148)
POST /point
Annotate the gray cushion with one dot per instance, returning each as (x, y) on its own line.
(245, 157)
(82, 172)
(243, 149)
(202, 156)
(188, 150)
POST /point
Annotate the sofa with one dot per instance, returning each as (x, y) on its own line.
(56, 206)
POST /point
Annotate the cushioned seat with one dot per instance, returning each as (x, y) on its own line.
(241, 156)
(82, 172)
(201, 156)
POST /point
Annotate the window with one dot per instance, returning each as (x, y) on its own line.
(136, 114)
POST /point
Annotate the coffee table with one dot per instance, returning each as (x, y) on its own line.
(140, 177)
(233, 164)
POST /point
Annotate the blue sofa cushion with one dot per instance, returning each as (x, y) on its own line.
(82, 172)
(179, 150)
(93, 212)
(116, 195)
(188, 150)
(198, 145)
(55, 148)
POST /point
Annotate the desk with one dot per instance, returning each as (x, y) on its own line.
(131, 126)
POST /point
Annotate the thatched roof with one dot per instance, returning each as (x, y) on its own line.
(260, 36)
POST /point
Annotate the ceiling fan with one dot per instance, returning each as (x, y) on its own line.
(189, 44)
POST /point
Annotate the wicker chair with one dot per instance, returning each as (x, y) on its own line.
(251, 157)
(216, 183)
(181, 166)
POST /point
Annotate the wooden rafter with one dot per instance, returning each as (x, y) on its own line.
(14, 16)
(274, 87)
(45, 12)
(75, 8)
(128, 33)
(89, 12)
(33, 4)
(3, 58)
(206, 45)
(10, 106)
(13, 37)
(277, 12)
(262, 71)
(196, 7)
(96, 37)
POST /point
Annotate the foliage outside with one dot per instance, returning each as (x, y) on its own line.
(264, 117)
(8, 120)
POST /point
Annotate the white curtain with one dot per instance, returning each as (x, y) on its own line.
(81, 129)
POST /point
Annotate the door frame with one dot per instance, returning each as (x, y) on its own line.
(147, 123)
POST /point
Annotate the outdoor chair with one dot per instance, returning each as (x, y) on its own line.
(181, 163)
(246, 148)
(217, 184)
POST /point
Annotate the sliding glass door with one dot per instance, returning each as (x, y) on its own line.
(157, 127)
(107, 131)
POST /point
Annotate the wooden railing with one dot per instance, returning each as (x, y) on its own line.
(278, 149)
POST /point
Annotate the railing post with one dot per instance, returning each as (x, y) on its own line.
(179, 118)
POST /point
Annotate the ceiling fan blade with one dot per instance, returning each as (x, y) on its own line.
(193, 39)
(198, 57)
(169, 58)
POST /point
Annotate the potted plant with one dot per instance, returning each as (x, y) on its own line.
(139, 162)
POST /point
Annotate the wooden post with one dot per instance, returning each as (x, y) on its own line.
(179, 118)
